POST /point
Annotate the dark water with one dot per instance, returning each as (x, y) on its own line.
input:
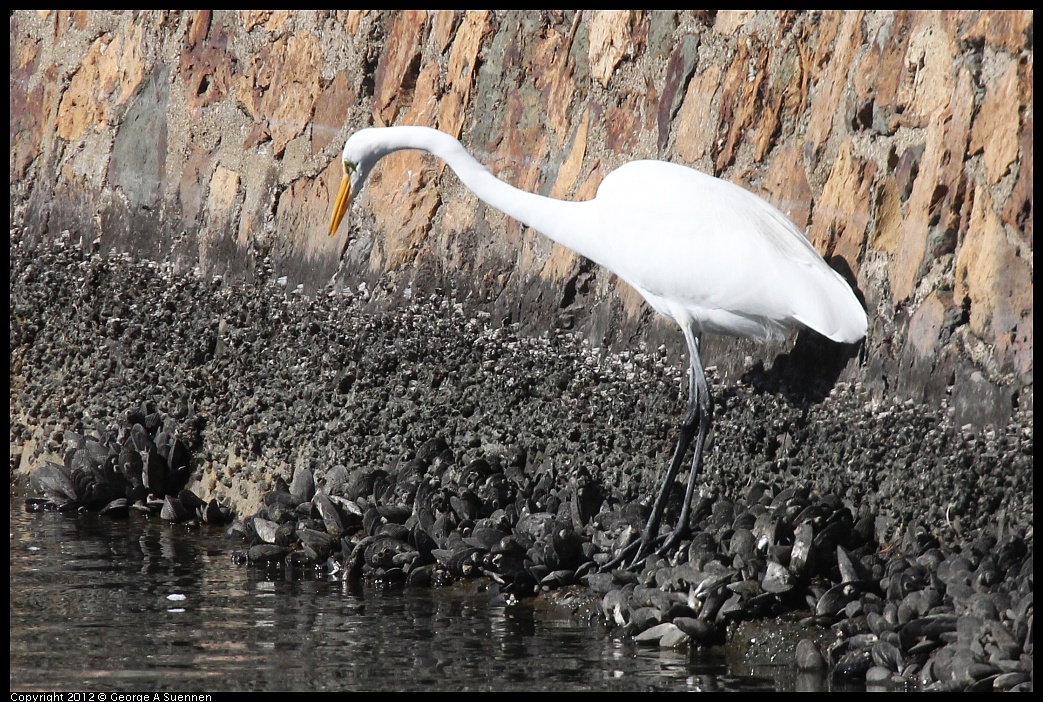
(110, 605)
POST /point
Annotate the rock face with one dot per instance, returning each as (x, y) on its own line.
(901, 140)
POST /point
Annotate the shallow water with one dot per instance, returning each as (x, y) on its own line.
(137, 604)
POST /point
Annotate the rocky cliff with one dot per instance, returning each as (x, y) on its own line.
(902, 141)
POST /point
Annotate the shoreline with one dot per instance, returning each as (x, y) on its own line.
(266, 382)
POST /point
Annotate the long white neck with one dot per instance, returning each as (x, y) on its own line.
(556, 219)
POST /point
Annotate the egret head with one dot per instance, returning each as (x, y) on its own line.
(357, 160)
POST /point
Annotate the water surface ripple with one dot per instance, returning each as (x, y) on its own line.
(109, 605)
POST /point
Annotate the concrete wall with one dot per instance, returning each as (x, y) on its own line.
(901, 140)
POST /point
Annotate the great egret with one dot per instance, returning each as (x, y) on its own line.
(704, 252)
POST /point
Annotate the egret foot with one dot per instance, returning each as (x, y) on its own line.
(643, 547)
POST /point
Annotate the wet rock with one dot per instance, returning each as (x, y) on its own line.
(809, 657)
(851, 667)
(174, 511)
(217, 514)
(265, 529)
(665, 635)
(700, 631)
(879, 520)
(120, 467)
(267, 554)
(302, 488)
(118, 508)
(777, 579)
(320, 543)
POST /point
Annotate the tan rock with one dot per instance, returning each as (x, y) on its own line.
(463, 60)
(398, 65)
(730, 22)
(888, 220)
(694, 136)
(280, 86)
(927, 74)
(994, 278)
(30, 110)
(554, 79)
(79, 108)
(1018, 211)
(609, 42)
(739, 92)
(925, 326)
(302, 220)
(786, 185)
(222, 195)
(192, 184)
(443, 23)
(569, 171)
(352, 19)
(205, 65)
(403, 201)
(840, 220)
(332, 108)
(623, 125)
(1010, 30)
(998, 123)
(937, 193)
(881, 69)
(839, 37)
(904, 138)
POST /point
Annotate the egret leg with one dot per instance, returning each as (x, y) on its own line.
(696, 416)
(704, 400)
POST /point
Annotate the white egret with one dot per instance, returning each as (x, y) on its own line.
(704, 252)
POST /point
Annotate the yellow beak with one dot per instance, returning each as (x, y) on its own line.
(340, 207)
